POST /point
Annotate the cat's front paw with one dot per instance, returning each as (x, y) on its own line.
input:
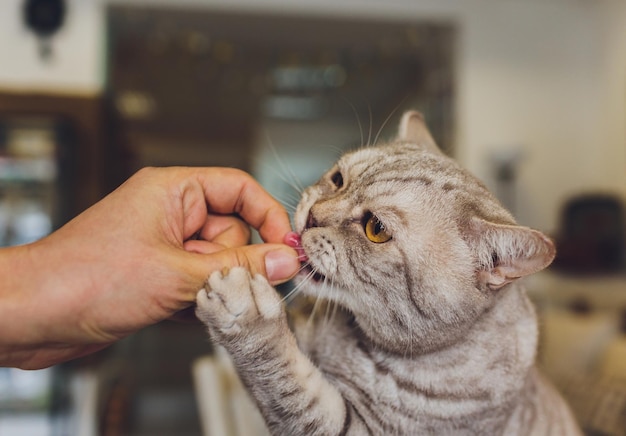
(234, 301)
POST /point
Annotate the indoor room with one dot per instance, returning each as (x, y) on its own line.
(528, 95)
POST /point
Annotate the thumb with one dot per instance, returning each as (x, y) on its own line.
(277, 262)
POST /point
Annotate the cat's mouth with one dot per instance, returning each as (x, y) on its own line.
(294, 241)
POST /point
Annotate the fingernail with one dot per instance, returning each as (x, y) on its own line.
(280, 265)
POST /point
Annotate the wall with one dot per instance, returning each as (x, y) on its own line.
(76, 65)
(544, 76)
(547, 76)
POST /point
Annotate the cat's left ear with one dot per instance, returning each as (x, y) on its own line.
(508, 252)
(413, 129)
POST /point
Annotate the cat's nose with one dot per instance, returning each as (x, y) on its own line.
(311, 221)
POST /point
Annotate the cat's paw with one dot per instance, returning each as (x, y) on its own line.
(234, 301)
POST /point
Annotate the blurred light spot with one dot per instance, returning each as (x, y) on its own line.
(295, 108)
(223, 52)
(308, 78)
(135, 105)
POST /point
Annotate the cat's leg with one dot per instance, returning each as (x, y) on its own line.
(246, 316)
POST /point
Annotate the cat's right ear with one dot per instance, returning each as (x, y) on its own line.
(508, 252)
(413, 129)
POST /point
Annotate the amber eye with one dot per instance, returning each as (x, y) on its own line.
(337, 179)
(375, 230)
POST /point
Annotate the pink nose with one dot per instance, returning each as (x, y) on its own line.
(293, 240)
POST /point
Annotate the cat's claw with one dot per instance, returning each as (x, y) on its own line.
(234, 300)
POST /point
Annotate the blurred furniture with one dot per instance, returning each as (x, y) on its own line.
(197, 86)
(592, 236)
(225, 407)
(582, 344)
(84, 117)
(51, 168)
(555, 289)
(36, 176)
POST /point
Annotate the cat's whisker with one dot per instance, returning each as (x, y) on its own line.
(327, 319)
(331, 300)
(287, 203)
(297, 184)
(335, 305)
(316, 306)
(291, 294)
(299, 286)
(334, 302)
(285, 174)
(336, 149)
(290, 201)
(358, 118)
(382, 127)
(369, 134)
(393, 111)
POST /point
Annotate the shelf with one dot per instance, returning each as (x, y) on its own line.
(21, 170)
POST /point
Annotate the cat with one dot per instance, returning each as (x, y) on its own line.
(420, 327)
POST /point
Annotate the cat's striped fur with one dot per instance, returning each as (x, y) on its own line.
(424, 333)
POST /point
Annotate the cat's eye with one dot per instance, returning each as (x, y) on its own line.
(375, 230)
(337, 179)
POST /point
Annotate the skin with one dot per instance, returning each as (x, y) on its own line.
(135, 258)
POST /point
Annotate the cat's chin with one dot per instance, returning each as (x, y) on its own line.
(310, 274)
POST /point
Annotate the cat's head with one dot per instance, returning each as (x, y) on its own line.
(411, 243)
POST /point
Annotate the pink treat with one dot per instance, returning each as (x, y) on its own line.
(293, 240)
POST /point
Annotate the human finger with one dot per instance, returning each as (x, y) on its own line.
(277, 262)
(201, 246)
(226, 230)
(228, 191)
(219, 232)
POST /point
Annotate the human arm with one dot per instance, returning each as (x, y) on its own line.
(132, 260)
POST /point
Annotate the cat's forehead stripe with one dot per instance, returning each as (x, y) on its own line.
(423, 180)
(383, 174)
(386, 172)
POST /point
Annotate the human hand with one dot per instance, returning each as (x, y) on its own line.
(135, 258)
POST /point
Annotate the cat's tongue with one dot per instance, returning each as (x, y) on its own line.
(293, 240)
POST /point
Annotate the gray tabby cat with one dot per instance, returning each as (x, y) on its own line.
(425, 331)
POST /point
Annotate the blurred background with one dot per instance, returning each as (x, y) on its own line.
(529, 95)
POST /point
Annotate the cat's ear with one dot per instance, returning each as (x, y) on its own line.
(413, 129)
(508, 252)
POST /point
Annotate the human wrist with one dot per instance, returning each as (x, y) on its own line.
(15, 284)
(37, 325)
